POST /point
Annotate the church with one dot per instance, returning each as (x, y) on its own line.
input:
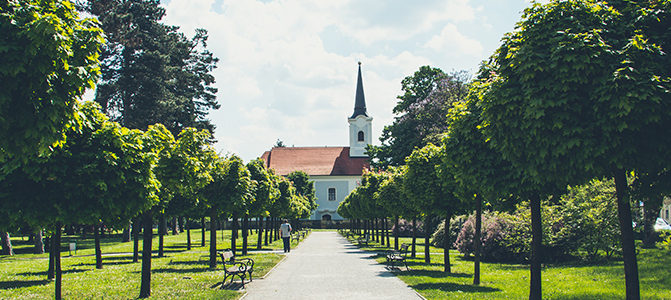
(335, 171)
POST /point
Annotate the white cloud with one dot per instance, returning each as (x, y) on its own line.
(277, 80)
(450, 38)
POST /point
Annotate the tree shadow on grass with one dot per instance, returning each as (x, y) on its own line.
(454, 287)
(21, 284)
(44, 273)
(187, 270)
(436, 274)
(190, 262)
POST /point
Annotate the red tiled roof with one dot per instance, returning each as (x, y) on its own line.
(314, 160)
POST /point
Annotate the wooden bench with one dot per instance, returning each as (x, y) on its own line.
(363, 239)
(236, 267)
(400, 255)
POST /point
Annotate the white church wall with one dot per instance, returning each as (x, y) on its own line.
(343, 185)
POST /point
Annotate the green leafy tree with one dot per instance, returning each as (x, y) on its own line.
(152, 73)
(392, 197)
(100, 174)
(264, 194)
(479, 170)
(425, 183)
(420, 114)
(578, 92)
(50, 56)
(304, 187)
(227, 195)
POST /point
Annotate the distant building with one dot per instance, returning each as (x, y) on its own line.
(336, 171)
(665, 212)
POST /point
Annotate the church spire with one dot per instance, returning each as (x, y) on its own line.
(360, 100)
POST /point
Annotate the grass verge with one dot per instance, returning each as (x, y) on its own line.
(180, 274)
(583, 280)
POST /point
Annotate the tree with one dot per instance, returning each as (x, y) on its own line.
(475, 165)
(159, 142)
(425, 183)
(265, 193)
(226, 195)
(189, 171)
(389, 196)
(151, 72)
(100, 173)
(50, 56)
(304, 187)
(421, 112)
(579, 91)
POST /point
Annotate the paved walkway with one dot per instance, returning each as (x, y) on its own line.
(326, 266)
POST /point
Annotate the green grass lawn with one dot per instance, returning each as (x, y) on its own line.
(180, 274)
(604, 280)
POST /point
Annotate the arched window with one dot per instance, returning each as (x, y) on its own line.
(360, 136)
(326, 217)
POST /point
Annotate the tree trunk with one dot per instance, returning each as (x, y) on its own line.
(188, 235)
(6, 244)
(52, 258)
(414, 237)
(260, 233)
(39, 242)
(213, 240)
(268, 228)
(376, 231)
(427, 253)
(175, 226)
(202, 232)
(136, 238)
(535, 292)
(234, 234)
(96, 239)
(386, 231)
(125, 236)
(627, 237)
(162, 230)
(57, 262)
(477, 239)
(396, 233)
(245, 232)
(145, 285)
(447, 245)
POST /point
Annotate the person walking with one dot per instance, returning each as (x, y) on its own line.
(285, 232)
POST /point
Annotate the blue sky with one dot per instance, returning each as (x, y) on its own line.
(287, 68)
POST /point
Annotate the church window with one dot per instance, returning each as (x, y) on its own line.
(360, 136)
(332, 194)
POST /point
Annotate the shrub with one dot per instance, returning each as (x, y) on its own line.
(496, 241)
(405, 228)
(582, 224)
(664, 240)
(438, 236)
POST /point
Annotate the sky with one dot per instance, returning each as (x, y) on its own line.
(287, 68)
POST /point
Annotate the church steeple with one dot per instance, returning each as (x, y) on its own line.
(360, 100)
(360, 124)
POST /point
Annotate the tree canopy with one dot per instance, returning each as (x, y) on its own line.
(49, 58)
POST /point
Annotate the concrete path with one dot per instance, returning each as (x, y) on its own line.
(326, 266)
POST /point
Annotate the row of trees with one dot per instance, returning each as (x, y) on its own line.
(580, 90)
(64, 162)
(105, 173)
